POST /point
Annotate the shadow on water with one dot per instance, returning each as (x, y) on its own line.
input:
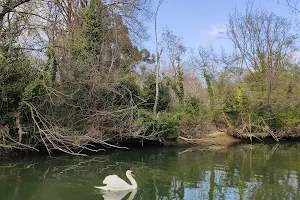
(242, 172)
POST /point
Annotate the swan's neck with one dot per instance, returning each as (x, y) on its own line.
(132, 181)
(132, 195)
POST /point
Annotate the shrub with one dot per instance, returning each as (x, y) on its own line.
(164, 127)
(193, 111)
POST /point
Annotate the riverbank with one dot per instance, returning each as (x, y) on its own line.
(215, 138)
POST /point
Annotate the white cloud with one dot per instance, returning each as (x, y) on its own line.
(216, 31)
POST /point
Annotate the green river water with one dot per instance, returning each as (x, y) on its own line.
(257, 171)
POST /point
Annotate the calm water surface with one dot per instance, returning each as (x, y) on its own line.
(242, 172)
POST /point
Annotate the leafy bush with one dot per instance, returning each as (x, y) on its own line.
(193, 111)
(164, 127)
(16, 73)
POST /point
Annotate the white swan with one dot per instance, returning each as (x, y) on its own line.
(114, 183)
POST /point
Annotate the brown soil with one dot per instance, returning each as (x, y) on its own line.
(215, 138)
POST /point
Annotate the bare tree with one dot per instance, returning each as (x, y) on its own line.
(292, 4)
(262, 39)
(157, 60)
(206, 61)
(8, 6)
(263, 42)
(175, 50)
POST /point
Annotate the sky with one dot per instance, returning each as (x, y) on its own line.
(203, 22)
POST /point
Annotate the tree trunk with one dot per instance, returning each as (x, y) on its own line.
(156, 62)
(19, 127)
(209, 89)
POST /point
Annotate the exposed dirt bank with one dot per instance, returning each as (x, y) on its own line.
(215, 138)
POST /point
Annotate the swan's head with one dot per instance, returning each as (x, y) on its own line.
(129, 172)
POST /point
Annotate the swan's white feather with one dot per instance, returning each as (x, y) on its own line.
(102, 187)
(113, 182)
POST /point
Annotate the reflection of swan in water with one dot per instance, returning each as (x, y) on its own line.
(118, 195)
(114, 183)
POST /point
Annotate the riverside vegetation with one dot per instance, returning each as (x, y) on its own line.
(73, 76)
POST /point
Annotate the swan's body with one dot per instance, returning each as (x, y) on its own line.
(115, 183)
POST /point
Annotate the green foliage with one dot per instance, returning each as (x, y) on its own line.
(16, 73)
(208, 80)
(145, 56)
(129, 81)
(192, 112)
(34, 89)
(274, 102)
(164, 127)
(51, 64)
(290, 115)
(236, 102)
(177, 85)
(96, 23)
(180, 93)
(105, 37)
(2, 57)
(164, 97)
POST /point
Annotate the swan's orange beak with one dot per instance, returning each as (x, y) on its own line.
(132, 174)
